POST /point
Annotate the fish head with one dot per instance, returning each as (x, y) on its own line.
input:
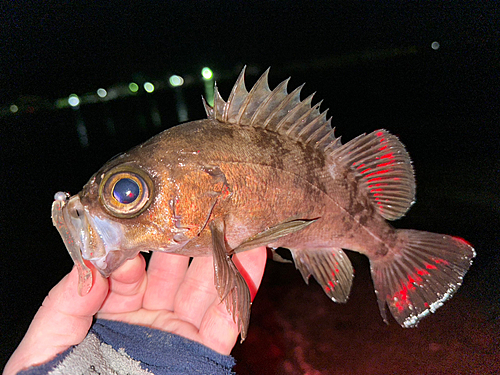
(125, 208)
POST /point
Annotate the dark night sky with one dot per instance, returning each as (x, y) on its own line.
(443, 104)
(52, 49)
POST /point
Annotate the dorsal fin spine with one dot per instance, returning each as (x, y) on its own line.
(267, 106)
(236, 98)
(292, 100)
(295, 117)
(262, 86)
(333, 144)
(219, 105)
(308, 123)
(209, 110)
(302, 123)
(275, 110)
(320, 133)
(315, 127)
(326, 141)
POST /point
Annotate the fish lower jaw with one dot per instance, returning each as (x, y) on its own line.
(95, 249)
(100, 264)
(114, 259)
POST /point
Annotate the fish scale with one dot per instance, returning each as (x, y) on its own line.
(265, 169)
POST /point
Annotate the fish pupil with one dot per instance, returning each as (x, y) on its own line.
(126, 191)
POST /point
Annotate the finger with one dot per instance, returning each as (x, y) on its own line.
(197, 291)
(251, 265)
(218, 330)
(126, 288)
(63, 320)
(165, 275)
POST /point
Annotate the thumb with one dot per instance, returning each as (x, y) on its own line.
(63, 320)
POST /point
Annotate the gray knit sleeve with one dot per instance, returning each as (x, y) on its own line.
(119, 348)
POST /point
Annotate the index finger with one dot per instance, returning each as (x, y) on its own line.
(165, 275)
(126, 287)
(63, 320)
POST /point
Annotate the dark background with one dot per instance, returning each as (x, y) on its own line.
(373, 64)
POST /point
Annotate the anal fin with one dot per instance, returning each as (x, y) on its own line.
(331, 268)
(231, 286)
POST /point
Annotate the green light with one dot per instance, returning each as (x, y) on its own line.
(102, 93)
(176, 80)
(73, 100)
(133, 87)
(149, 87)
(207, 73)
(14, 108)
(62, 103)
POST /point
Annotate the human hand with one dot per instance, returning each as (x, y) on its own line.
(172, 295)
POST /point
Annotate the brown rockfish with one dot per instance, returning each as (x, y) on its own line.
(265, 169)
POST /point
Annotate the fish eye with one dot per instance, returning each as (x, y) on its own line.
(125, 191)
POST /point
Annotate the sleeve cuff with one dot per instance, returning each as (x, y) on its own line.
(125, 348)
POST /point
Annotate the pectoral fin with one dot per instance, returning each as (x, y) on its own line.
(231, 286)
(331, 268)
(272, 234)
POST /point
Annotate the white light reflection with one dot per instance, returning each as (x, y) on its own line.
(207, 73)
(74, 100)
(176, 81)
(102, 93)
(149, 87)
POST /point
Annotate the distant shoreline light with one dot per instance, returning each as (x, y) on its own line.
(133, 87)
(119, 90)
(176, 81)
(74, 100)
(102, 93)
(207, 73)
(149, 87)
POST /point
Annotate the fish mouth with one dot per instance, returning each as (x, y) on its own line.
(87, 237)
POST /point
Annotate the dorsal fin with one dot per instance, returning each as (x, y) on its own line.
(383, 168)
(275, 110)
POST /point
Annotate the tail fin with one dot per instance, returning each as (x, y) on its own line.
(425, 270)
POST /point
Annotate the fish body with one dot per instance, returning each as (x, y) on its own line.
(265, 169)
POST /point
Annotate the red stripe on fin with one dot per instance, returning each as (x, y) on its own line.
(379, 157)
(331, 268)
(420, 274)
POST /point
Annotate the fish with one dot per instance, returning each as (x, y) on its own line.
(266, 169)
